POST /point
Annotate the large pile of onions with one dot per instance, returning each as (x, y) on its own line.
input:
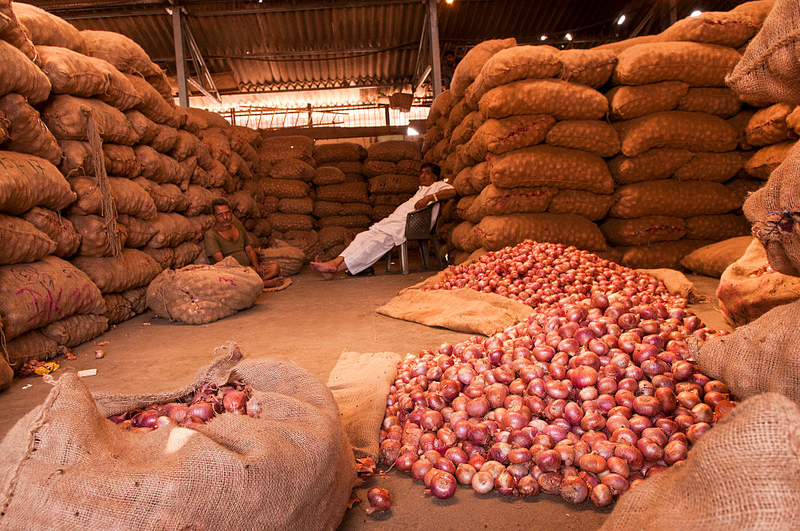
(207, 402)
(590, 395)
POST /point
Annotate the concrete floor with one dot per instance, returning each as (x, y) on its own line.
(311, 323)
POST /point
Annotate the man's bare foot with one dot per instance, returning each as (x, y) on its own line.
(325, 269)
(273, 282)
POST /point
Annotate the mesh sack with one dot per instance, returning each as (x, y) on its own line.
(22, 242)
(137, 231)
(551, 166)
(712, 260)
(285, 188)
(720, 227)
(593, 136)
(587, 67)
(185, 146)
(326, 208)
(21, 75)
(644, 230)
(331, 236)
(393, 184)
(767, 159)
(354, 209)
(394, 150)
(464, 205)
(338, 151)
(579, 202)
(343, 193)
(328, 175)
(290, 259)
(171, 229)
(730, 28)
(715, 167)
(350, 222)
(480, 177)
(768, 126)
(14, 33)
(131, 269)
(391, 200)
(285, 222)
(348, 166)
(27, 133)
(277, 148)
(471, 64)
(379, 212)
(508, 134)
(494, 201)
(129, 197)
(678, 130)
(292, 169)
(28, 181)
(95, 236)
(217, 143)
(722, 102)
(658, 255)
(67, 117)
(464, 131)
(629, 102)
(186, 253)
(296, 206)
(462, 183)
(561, 99)
(118, 308)
(652, 165)
(497, 232)
(699, 65)
(669, 197)
(373, 168)
(409, 167)
(57, 228)
(441, 106)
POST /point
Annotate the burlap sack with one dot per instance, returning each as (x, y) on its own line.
(551, 166)
(118, 308)
(743, 186)
(462, 184)
(591, 67)
(164, 140)
(290, 259)
(198, 120)
(372, 168)
(217, 143)
(121, 161)
(27, 133)
(166, 197)
(644, 230)
(593, 136)
(22, 242)
(653, 164)
(21, 75)
(145, 128)
(768, 69)
(739, 122)
(284, 222)
(714, 167)
(66, 117)
(698, 493)
(442, 105)
(508, 134)
(296, 206)
(32, 345)
(251, 489)
(379, 212)
(343, 193)
(186, 146)
(137, 231)
(465, 236)
(326, 208)
(331, 236)
(392, 200)
(78, 159)
(338, 151)
(699, 65)
(585, 204)
(629, 102)
(57, 228)
(129, 197)
(38, 293)
(75, 329)
(471, 64)
(292, 169)
(243, 205)
(712, 260)
(131, 269)
(793, 120)
(351, 222)
(724, 28)
(349, 167)
(678, 130)
(393, 184)
(14, 33)
(156, 166)
(47, 29)
(277, 148)
(328, 175)
(669, 197)
(719, 227)
(171, 229)
(27, 181)
(287, 188)
(163, 256)
(722, 102)
(768, 126)
(676, 283)
(767, 159)
(94, 232)
(198, 200)
(494, 201)
(658, 255)
(216, 175)
(497, 232)
(153, 104)
(464, 205)
(560, 99)
(464, 131)
(394, 150)
(355, 209)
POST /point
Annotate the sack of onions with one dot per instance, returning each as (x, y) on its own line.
(66, 465)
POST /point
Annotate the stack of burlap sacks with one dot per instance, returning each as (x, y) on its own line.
(524, 131)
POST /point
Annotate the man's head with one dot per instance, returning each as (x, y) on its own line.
(222, 213)
(429, 174)
(450, 58)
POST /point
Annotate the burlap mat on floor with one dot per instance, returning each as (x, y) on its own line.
(360, 383)
(286, 283)
(462, 310)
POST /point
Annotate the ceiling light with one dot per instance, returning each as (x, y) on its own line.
(696, 13)
(568, 37)
(411, 131)
(543, 38)
(449, 2)
(621, 20)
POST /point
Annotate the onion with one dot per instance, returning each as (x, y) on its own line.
(528, 486)
(464, 473)
(235, 402)
(405, 461)
(482, 482)
(442, 484)
(201, 410)
(574, 489)
(146, 418)
(379, 500)
(505, 483)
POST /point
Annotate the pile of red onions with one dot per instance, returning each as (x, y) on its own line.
(207, 402)
(590, 395)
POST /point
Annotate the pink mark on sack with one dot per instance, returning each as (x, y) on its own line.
(228, 280)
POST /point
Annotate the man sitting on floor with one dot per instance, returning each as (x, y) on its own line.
(369, 246)
(228, 237)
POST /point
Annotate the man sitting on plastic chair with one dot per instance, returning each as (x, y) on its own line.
(370, 246)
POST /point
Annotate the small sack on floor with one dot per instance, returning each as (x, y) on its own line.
(199, 294)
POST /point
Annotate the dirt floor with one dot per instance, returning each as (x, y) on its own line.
(311, 323)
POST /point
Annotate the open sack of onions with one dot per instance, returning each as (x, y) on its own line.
(65, 465)
(587, 397)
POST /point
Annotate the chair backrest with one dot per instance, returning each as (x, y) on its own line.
(421, 223)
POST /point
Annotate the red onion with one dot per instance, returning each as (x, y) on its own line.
(379, 500)
(464, 473)
(482, 482)
(442, 484)
(574, 489)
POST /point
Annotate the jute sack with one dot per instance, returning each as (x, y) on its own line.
(292, 169)
(120, 161)
(471, 64)
(551, 166)
(372, 168)
(296, 206)
(462, 182)
(355, 209)
(137, 231)
(560, 99)
(163, 256)
(153, 104)
(394, 150)
(14, 33)
(277, 148)
(22, 242)
(393, 200)
(198, 200)
(57, 228)
(283, 222)
(217, 143)
(75, 329)
(351, 222)
(21, 75)
(593, 136)
(165, 138)
(118, 308)
(4, 125)
(652, 165)
(462, 310)
(326, 208)
(714, 167)
(644, 230)
(669, 197)
(198, 120)
(464, 131)
(166, 197)
(585, 204)
(433, 136)
(6, 372)
(243, 205)
(32, 345)
(768, 70)
(658, 255)
(204, 294)
(698, 493)
(339, 151)
(250, 489)
(699, 65)
(27, 133)
(494, 201)
(676, 283)
(719, 227)
(290, 259)
(343, 193)
(328, 175)
(27, 181)
(379, 212)
(409, 167)
(463, 206)
(768, 126)
(67, 116)
(678, 130)
(465, 237)
(739, 122)
(712, 260)
(28, 294)
(47, 29)
(331, 236)
(129, 197)
(171, 229)
(722, 102)
(793, 120)
(497, 232)
(289, 188)
(94, 232)
(145, 128)
(513, 64)
(131, 269)
(767, 159)
(186, 145)
(393, 184)
(728, 28)
(628, 102)
(749, 287)
(441, 106)
(591, 67)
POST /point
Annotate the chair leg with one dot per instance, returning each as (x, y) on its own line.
(404, 257)
(438, 252)
(423, 247)
(389, 260)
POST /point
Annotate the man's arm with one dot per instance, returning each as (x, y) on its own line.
(216, 257)
(443, 195)
(253, 257)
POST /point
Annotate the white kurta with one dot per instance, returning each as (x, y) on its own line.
(369, 246)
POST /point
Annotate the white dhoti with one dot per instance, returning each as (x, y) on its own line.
(367, 248)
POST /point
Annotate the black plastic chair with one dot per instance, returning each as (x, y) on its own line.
(420, 227)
